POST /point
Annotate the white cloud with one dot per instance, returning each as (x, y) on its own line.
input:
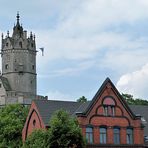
(56, 95)
(135, 83)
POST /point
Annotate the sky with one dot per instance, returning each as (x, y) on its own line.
(85, 41)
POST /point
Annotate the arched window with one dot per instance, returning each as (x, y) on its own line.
(89, 134)
(103, 135)
(129, 135)
(116, 135)
(109, 106)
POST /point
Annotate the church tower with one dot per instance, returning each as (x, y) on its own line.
(19, 76)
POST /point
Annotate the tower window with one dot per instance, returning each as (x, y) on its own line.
(31, 44)
(6, 66)
(0, 85)
(33, 67)
(20, 44)
(7, 44)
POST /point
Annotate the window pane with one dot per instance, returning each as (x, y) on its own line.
(89, 134)
(116, 136)
(103, 135)
(129, 136)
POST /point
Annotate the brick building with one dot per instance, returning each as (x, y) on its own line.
(106, 121)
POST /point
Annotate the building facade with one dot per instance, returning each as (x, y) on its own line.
(18, 80)
(106, 121)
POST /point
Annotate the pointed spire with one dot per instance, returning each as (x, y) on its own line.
(8, 33)
(18, 17)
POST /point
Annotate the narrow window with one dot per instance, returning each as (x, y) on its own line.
(89, 134)
(103, 135)
(20, 44)
(129, 136)
(116, 135)
(105, 110)
(0, 85)
(34, 123)
(7, 44)
(33, 67)
(6, 66)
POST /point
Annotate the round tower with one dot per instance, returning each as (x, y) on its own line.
(18, 54)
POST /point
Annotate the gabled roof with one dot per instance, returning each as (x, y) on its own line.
(141, 110)
(99, 92)
(5, 83)
(48, 107)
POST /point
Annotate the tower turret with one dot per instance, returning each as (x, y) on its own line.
(18, 54)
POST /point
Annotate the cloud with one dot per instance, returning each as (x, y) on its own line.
(56, 95)
(135, 83)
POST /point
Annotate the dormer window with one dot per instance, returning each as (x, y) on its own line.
(109, 106)
(7, 44)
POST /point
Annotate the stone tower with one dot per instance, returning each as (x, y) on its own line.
(18, 78)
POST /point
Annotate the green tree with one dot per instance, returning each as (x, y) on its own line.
(82, 99)
(38, 138)
(12, 119)
(134, 101)
(64, 131)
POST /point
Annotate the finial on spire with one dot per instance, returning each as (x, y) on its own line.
(8, 33)
(18, 17)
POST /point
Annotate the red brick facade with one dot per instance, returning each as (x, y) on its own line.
(33, 121)
(107, 112)
(123, 118)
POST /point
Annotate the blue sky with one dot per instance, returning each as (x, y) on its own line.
(85, 41)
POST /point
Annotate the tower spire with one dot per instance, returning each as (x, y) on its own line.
(18, 17)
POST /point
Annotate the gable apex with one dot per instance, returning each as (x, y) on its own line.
(108, 85)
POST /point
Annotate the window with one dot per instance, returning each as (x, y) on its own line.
(33, 67)
(20, 44)
(109, 106)
(89, 134)
(34, 123)
(6, 66)
(103, 135)
(116, 135)
(129, 136)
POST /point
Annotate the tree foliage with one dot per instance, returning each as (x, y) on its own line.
(82, 99)
(12, 119)
(38, 138)
(134, 101)
(64, 132)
